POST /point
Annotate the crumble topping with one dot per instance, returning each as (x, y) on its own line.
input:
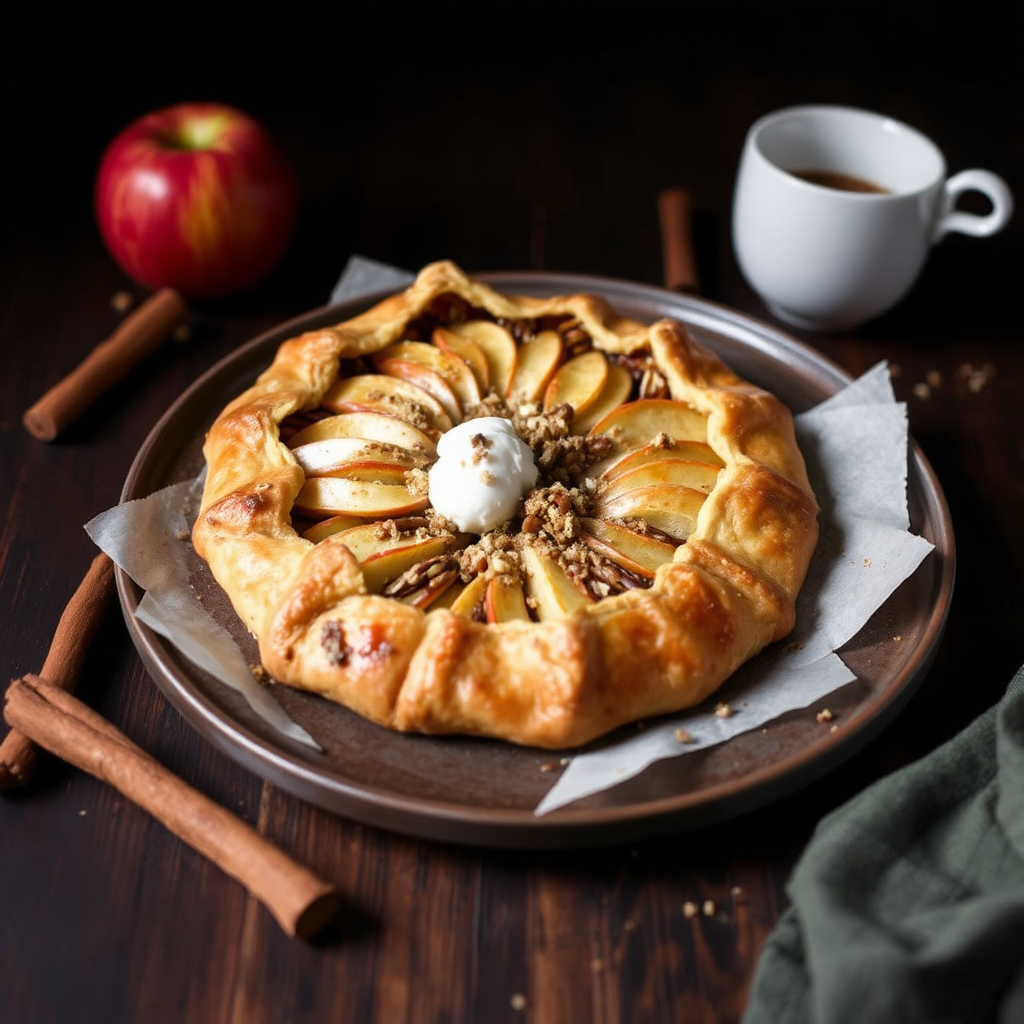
(548, 517)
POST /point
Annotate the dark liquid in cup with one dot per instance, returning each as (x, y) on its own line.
(840, 181)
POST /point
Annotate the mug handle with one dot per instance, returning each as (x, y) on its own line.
(952, 219)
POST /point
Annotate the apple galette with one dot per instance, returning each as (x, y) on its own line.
(518, 517)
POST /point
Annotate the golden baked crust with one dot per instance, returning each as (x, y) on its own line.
(652, 641)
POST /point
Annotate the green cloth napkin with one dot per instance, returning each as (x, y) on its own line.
(908, 903)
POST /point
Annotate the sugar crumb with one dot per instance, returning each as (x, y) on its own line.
(122, 301)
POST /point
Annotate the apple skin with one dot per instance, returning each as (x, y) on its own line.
(196, 197)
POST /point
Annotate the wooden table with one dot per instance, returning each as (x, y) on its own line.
(516, 159)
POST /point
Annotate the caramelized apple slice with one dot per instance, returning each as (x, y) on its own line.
(334, 496)
(453, 370)
(579, 382)
(429, 380)
(468, 351)
(499, 348)
(505, 601)
(469, 602)
(384, 566)
(638, 552)
(638, 423)
(369, 470)
(330, 454)
(554, 593)
(328, 527)
(693, 450)
(658, 473)
(672, 510)
(374, 392)
(367, 426)
(434, 591)
(539, 358)
(618, 385)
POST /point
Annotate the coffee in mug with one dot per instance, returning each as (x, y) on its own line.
(835, 210)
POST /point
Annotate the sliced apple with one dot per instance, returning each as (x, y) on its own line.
(369, 470)
(638, 552)
(367, 426)
(339, 496)
(660, 472)
(505, 601)
(434, 591)
(692, 450)
(499, 348)
(672, 510)
(539, 358)
(382, 567)
(637, 423)
(375, 392)
(618, 386)
(423, 377)
(328, 527)
(468, 351)
(453, 370)
(366, 539)
(578, 382)
(469, 602)
(555, 594)
(324, 457)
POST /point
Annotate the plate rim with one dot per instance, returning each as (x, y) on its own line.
(570, 826)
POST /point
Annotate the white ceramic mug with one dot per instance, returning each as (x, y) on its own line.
(824, 257)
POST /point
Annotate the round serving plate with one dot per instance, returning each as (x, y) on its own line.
(483, 792)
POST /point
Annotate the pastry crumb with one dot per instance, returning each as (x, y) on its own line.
(690, 909)
(548, 766)
(122, 301)
(976, 378)
(518, 1001)
(723, 710)
(708, 909)
(258, 672)
(825, 715)
(922, 391)
(898, 638)
(682, 736)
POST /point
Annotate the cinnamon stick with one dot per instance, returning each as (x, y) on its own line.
(300, 901)
(78, 625)
(675, 216)
(138, 335)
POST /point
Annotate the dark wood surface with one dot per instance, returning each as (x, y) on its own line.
(525, 148)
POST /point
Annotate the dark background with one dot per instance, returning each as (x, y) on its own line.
(504, 137)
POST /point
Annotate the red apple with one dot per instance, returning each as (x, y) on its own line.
(196, 197)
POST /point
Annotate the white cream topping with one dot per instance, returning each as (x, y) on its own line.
(482, 470)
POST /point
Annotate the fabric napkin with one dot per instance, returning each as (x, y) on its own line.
(908, 903)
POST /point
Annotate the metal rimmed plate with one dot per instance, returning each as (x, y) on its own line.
(483, 792)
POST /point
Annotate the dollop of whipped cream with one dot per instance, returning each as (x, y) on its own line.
(482, 470)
